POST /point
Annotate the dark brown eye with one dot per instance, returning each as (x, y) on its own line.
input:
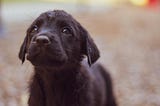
(35, 28)
(66, 30)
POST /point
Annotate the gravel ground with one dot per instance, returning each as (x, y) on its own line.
(129, 41)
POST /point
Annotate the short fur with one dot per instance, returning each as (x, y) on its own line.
(61, 75)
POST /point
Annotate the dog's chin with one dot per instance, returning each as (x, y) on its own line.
(50, 63)
(46, 57)
(46, 61)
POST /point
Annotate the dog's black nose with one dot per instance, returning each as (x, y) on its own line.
(42, 40)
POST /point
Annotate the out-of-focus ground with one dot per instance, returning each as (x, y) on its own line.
(129, 41)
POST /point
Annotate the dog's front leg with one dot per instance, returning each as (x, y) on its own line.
(36, 97)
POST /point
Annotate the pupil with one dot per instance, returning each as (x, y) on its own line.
(35, 28)
(65, 30)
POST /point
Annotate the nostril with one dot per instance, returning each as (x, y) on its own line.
(42, 40)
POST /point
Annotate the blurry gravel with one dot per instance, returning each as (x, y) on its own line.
(129, 41)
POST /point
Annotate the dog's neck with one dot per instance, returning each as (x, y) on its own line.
(59, 83)
(47, 74)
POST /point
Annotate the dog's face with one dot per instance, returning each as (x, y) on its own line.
(54, 39)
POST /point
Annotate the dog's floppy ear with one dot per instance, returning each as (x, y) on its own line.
(89, 48)
(23, 50)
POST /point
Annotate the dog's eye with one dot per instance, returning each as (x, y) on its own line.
(35, 28)
(66, 30)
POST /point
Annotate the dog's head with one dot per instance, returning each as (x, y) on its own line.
(55, 38)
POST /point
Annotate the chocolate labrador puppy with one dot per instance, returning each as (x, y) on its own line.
(56, 44)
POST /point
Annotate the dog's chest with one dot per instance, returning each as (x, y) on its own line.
(63, 92)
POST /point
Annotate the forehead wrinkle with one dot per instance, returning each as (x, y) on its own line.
(61, 13)
(50, 16)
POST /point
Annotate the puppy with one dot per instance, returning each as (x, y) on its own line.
(56, 45)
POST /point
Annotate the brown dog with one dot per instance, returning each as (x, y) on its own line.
(56, 45)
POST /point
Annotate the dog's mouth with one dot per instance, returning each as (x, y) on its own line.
(46, 56)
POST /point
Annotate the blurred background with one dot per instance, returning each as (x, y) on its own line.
(127, 33)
